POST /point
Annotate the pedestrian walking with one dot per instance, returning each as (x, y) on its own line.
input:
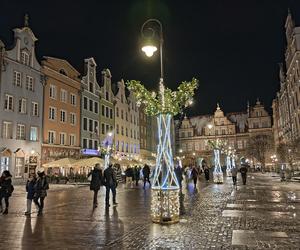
(146, 174)
(194, 175)
(110, 182)
(234, 172)
(41, 186)
(96, 182)
(30, 192)
(206, 173)
(179, 175)
(136, 175)
(6, 189)
(129, 175)
(243, 171)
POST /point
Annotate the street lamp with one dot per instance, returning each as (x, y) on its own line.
(165, 187)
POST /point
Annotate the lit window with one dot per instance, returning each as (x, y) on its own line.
(52, 91)
(63, 95)
(73, 99)
(72, 140)
(22, 106)
(25, 58)
(62, 138)
(63, 116)
(52, 113)
(51, 137)
(33, 133)
(7, 130)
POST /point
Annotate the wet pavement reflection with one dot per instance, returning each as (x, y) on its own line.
(262, 215)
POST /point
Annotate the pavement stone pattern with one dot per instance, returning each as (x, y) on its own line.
(264, 214)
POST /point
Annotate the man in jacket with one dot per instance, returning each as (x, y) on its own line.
(110, 182)
(41, 187)
(6, 189)
(146, 174)
(244, 171)
(96, 182)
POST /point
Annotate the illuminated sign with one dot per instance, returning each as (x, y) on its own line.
(88, 151)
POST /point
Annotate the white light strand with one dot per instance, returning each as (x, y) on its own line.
(217, 174)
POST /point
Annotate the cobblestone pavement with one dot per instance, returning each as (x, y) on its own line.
(264, 214)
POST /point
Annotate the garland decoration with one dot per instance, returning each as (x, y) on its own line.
(166, 101)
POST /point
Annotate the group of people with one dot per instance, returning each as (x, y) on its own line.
(134, 174)
(36, 188)
(193, 173)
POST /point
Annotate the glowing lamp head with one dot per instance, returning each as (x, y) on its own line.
(149, 50)
(209, 126)
(110, 134)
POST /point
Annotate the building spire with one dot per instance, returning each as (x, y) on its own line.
(26, 20)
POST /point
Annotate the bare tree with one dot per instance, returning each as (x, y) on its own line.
(258, 146)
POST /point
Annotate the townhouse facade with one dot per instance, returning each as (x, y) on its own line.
(90, 97)
(21, 105)
(193, 134)
(286, 105)
(61, 119)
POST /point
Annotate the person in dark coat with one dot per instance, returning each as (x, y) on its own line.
(41, 186)
(206, 173)
(129, 175)
(110, 182)
(244, 171)
(137, 175)
(96, 182)
(194, 175)
(30, 192)
(179, 175)
(6, 189)
(146, 174)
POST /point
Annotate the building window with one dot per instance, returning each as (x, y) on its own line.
(107, 96)
(72, 118)
(63, 95)
(95, 144)
(126, 131)
(122, 130)
(130, 133)
(19, 167)
(117, 128)
(240, 144)
(182, 134)
(111, 113)
(90, 143)
(20, 132)
(117, 112)
(29, 83)
(122, 114)
(73, 99)
(189, 134)
(33, 134)
(72, 140)
(17, 79)
(103, 110)
(62, 138)
(91, 125)
(25, 58)
(111, 128)
(96, 127)
(63, 116)
(223, 131)
(4, 163)
(22, 106)
(85, 124)
(84, 143)
(126, 116)
(85, 103)
(91, 105)
(122, 99)
(52, 114)
(51, 137)
(96, 107)
(52, 91)
(102, 128)
(7, 130)
(91, 87)
(35, 109)
(107, 127)
(134, 134)
(106, 112)
(9, 102)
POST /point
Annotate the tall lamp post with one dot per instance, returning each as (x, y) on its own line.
(165, 187)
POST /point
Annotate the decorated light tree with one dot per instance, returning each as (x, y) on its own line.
(164, 105)
(106, 149)
(230, 163)
(217, 146)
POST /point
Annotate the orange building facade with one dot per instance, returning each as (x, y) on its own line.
(61, 121)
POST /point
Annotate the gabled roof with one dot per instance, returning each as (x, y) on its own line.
(64, 62)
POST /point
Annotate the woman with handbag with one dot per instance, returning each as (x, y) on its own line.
(6, 189)
(96, 182)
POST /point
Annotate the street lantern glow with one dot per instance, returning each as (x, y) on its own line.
(149, 50)
(109, 134)
(209, 126)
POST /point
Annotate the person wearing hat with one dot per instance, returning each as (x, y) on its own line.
(6, 189)
(41, 187)
(96, 182)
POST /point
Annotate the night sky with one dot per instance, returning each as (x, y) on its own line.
(231, 46)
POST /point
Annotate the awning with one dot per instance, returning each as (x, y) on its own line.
(65, 162)
(6, 152)
(89, 162)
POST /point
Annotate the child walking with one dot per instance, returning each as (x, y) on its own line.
(30, 189)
